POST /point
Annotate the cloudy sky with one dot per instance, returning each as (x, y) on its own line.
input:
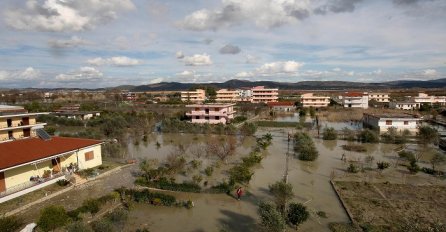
(100, 43)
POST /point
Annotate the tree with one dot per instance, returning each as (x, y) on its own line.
(78, 227)
(248, 129)
(304, 147)
(282, 192)
(52, 217)
(10, 224)
(297, 214)
(329, 133)
(427, 135)
(270, 219)
(368, 136)
(437, 159)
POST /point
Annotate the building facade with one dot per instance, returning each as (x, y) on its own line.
(211, 113)
(355, 100)
(405, 105)
(225, 95)
(17, 123)
(197, 96)
(282, 106)
(311, 100)
(379, 97)
(423, 98)
(260, 94)
(383, 122)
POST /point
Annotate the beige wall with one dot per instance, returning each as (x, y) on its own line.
(17, 133)
(96, 161)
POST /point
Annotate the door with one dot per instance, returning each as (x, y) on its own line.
(26, 132)
(25, 121)
(10, 135)
(56, 164)
(9, 122)
(2, 182)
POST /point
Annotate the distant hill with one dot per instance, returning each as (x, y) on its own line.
(303, 85)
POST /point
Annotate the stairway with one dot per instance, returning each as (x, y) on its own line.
(78, 180)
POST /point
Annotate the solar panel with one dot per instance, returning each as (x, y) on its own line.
(42, 134)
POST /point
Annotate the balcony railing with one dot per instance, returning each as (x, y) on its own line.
(29, 184)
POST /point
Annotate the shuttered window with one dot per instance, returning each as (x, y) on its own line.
(89, 155)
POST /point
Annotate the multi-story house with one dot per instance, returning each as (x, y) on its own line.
(16, 123)
(400, 122)
(30, 159)
(379, 97)
(355, 100)
(423, 98)
(311, 100)
(197, 96)
(225, 95)
(404, 105)
(211, 113)
(262, 94)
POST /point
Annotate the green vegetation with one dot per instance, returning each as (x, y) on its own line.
(10, 224)
(354, 147)
(239, 119)
(348, 134)
(174, 125)
(297, 214)
(352, 168)
(51, 119)
(368, 136)
(248, 129)
(437, 159)
(164, 183)
(270, 218)
(304, 147)
(146, 196)
(282, 193)
(392, 136)
(52, 217)
(428, 135)
(382, 165)
(329, 133)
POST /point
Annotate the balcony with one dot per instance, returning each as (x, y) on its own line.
(210, 113)
(14, 126)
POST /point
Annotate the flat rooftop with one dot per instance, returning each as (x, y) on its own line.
(393, 115)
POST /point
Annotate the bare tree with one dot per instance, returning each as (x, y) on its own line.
(197, 150)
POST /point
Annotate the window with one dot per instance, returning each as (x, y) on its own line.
(217, 117)
(388, 122)
(406, 122)
(89, 155)
(197, 117)
(206, 118)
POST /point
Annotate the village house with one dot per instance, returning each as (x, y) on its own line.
(196, 96)
(355, 100)
(423, 98)
(404, 105)
(73, 112)
(379, 97)
(225, 95)
(312, 100)
(211, 113)
(382, 122)
(30, 159)
(261, 94)
(282, 106)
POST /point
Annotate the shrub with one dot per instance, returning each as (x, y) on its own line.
(252, 159)
(407, 155)
(209, 170)
(348, 134)
(91, 205)
(197, 179)
(352, 168)
(240, 174)
(63, 182)
(282, 192)
(270, 218)
(102, 226)
(248, 129)
(382, 165)
(432, 171)
(52, 217)
(427, 135)
(354, 147)
(413, 167)
(297, 214)
(10, 224)
(78, 227)
(329, 133)
(239, 119)
(368, 136)
(145, 196)
(224, 187)
(304, 146)
(118, 218)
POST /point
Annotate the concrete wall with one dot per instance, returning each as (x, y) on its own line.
(96, 161)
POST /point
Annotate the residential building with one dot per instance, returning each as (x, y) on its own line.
(379, 97)
(30, 159)
(312, 100)
(69, 108)
(282, 106)
(262, 94)
(197, 96)
(426, 99)
(211, 113)
(383, 122)
(245, 95)
(81, 115)
(355, 100)
(16, 123)
(225, 95)
(405, 105)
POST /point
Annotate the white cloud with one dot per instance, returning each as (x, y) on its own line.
(90, 74)
(186, 73)
(74, 41)
(156, 80)
(20, 75)
(250, 59)
(244, 75)
(179, 55)
(280, 67)
(263, 13)
(115, 61)
(429, 72)
(337, 69)
(198, 60)
(64, 15)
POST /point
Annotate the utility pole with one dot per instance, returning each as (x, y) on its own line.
(287, 158)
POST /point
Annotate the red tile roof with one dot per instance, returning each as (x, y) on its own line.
(27, 150)
(271, 104)
(354, 94)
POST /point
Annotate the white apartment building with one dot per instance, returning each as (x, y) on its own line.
(262, 94)
(383, 122)
(404, 105)
(211, 113)
(225, 95)
(423, 98)
(379, 97)
(355, 100)
(197, 96)
(311, 100)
